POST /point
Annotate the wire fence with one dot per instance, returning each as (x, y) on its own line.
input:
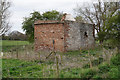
(70, 60)
(44, 69)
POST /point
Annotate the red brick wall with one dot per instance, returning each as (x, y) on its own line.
(46, 33)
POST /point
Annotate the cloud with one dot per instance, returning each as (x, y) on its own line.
(22, 8)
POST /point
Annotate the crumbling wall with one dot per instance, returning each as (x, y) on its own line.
(80, 35)
(68, 35)
(46, 33)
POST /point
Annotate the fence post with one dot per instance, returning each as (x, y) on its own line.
(17, 53)
(57, 66)
(90, 59)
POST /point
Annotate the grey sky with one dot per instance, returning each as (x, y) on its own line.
(22, 8)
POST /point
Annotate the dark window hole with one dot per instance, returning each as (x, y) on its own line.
(62, 38)
(85, 34)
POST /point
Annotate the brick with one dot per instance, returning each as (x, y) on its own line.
(66, 35)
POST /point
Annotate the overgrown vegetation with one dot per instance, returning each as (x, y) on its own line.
(102, 62)
(73, 64)
(15, 68)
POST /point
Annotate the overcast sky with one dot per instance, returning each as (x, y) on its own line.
(23, 8)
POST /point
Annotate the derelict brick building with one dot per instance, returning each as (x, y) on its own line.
(63, 36)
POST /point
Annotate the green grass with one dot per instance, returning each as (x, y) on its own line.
(13, 43)
(14, 68)
(17, 68)
(10, 44)
(0, 68)
(84, 52)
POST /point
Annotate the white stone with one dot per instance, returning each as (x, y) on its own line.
(69, 17)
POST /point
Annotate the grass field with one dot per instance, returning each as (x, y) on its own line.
(73, 64)
(13, 43)
(9, 44)
(17, 68)
(14, 68)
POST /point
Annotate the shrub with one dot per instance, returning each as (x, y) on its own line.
(88, 73)
(97, 77)
(86, 66)
(97, 61)
(14, 73)
(104, 68)
(94, 62)
(115, 64)
(66, 75)
(73, 73)
(115, 60)
(113, 73)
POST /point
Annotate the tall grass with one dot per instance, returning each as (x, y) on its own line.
(73, 64)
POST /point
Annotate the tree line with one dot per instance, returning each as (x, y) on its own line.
(105, 16)
(28, 23)
(15, 35)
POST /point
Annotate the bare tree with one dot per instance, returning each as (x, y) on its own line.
(97, 13)
(4, 16)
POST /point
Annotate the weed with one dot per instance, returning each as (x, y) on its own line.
(104, 68)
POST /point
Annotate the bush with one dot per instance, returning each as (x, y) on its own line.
(67, 75)
(94, 63)
(115, 60)
(70, 73)
(97, 61)
(97, 77)
(86, 66)
(115, 64)
(104, 68)
(88, 73)
(114, 73)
